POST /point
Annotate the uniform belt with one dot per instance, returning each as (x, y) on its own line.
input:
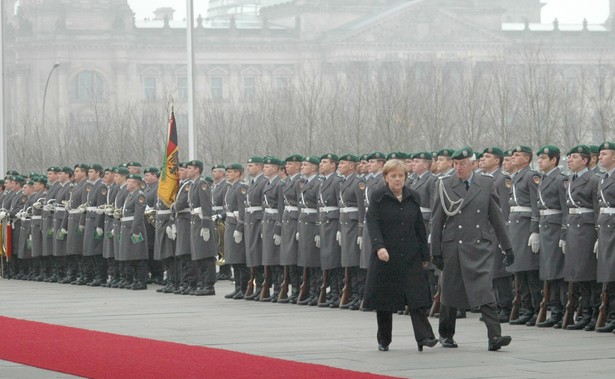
(129, 218)
(91, 209)
(607, 211)
(271, 211)
(231, 215)
(253, 209)
(196, 211)
(37, 217)
(291, 208)
(163, 212)
(425, 210)
(550, 212)
(309, 210)
(578, 211)
(327, 209)
(74, 211)
(60, 209)
(217, 208)
(349, 209)
(187, 210)
(520, 209)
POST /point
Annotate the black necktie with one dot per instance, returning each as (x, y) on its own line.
(606, 175)
(467, 183)
(574, 177)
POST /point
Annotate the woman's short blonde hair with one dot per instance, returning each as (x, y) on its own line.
(394, 165)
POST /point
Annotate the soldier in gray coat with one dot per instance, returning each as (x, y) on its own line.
(524, 233)
(24, 251)
(107, 249)
(466, 210)
(47, 223)
(180, 231)
(36, 230)
(150, 177)
(583, 210)
(133, 235)
(253, 223)
(553, 213)
(75, 225)
(327, 238)
(118, 273)
(59, 232)
(218, 191)
(95, 266)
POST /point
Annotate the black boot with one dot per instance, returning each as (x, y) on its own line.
(586, 318)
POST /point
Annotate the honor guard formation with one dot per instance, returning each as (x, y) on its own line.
(294, 231)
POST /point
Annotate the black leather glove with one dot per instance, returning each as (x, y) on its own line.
(438, 262)
(509, 258)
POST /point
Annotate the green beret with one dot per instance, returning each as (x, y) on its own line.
(508, 153)
(54, 169)
(494, 150)
(550, 150)
(122, 171)
(479, 155)
(195, 163)
(394, 155)
(208, 179)
(331, 156)
(234, 166)
(123, 165)
(134, 176)
(463, 153)
(273, 161)
(580, 149)
(255, 160)
(218, 167)
(82, 166)
(595, 149)
(28, 182)
(96, 167)
(607, 146)
(313, 160)
(522, 149)
(40, 179)
(377, 155)
(12, 173)
(349, 158)
(1, 182)
(8, 177)
(445, 153)
(134, 164)
(182, 164)
(294, 158)
(364, 157)
(152, 170)
(110, 169)
(67, 170)
(19, 179)
(422, 155)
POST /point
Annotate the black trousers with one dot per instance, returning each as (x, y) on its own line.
(205, 271)
(361, 278)
(504, 292)
(315, 280)
(558, 294)
(188, 273)
(420, 325)
(171, 265)
(530, 290)
(242, 276)
(294, 276)
(448, 320)
(139, 268)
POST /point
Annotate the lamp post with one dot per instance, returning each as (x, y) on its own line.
(55, 65)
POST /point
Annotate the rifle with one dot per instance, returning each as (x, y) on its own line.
(435, 306)
(346, 290)
(284, 286)
(322, 297)
(250, 289)
(516, 303)
(569, 313)
(546, 296)
(304, 290)
(265, 286)
(604, 306)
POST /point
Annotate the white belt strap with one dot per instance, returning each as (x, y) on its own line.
(60, 209)
(196, 211)
(125, 219)
(349, 209)
(607, 211)
(186, 210)
(425, 210)
(578, 211)
(309, 210)
(253, 209)
(550, 212)
(74, 211)
(290, 208)
(520, 209)
(271, 211)
(163, 212)
(231, 215)
(217, 208)
(37, 217)
(91, 209)
(327, 209)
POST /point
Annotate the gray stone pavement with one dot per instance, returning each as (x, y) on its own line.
(333, 337)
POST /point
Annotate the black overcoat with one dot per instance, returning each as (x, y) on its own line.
(398, 227)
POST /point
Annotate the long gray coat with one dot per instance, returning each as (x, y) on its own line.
(120, 199)
(524, 193)
(59, 240)
(502, 184)
(352, 194)
(234, 207)
(151, 195)
(164, 247)
(182, 220)
(580, 263)
(200, 197)
(308, 255)
(328, 195)
(290, 222)
(373, 183)
(465, 241)
(606, 234)
(36, 226)
(73, 220)
(272, 222)
(47, 221)
(25, 234)
(107, 250)
(425, 187)
(96, 195)
(253, 223)
(552, 196)
(131, 250)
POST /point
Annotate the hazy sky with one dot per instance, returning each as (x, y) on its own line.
(566, 11)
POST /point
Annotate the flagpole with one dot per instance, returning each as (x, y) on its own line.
(192, 137)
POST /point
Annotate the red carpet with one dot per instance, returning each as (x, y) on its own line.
(104, 355)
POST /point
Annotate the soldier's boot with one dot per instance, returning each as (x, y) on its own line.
(586, 318)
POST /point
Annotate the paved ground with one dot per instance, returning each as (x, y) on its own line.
(332, 337)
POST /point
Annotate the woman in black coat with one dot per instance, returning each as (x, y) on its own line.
(395, 277)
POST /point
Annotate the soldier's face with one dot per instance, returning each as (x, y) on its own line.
(545, 164)
(293, 168)
(109, 176)
(134, 169)
(79, 174)
(463, 168)
(270, 170)
(346, 167)
(254, 169)
(520, 160)
(28, 189)
(150, 178)
(444, 164)
(375, 165)
(93, 174)
(308, 169)
(217, 174)
(607, 159)
(192, 172)
(576, 162)
(507, 164)
(421, 165)
(489, 162)
(232, 175)
(132, 185)
(327, 166)
(38, 187)
(52, 176)
(183, 173)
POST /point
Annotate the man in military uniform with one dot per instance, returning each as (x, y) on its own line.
(327, 238)
(308, 252)
(15, 205)
(108, 240)
(219, 187)
(134, 168)
(39, 185)
(553, 213)
(24, 251)
(150, 177)
(94, 265)
(351, 223)
(580, 262)
(164, 246)
(53, 174)
(502, 280)
(180, 231)
(605, 245)
(61, 274)
(593, 162)
(524, 234)
(444, 161)
(203, 247)
(253, 223)
(118, 272)
(462, 250)
(75, 226)
(290, 226)
(235, 248)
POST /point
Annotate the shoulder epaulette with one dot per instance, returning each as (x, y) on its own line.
(486, 174)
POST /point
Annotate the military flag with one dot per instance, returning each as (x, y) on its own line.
(169, 178)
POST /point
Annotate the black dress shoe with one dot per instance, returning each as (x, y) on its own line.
(548, 323)
(591, 326)
(305, 301)
(429, 342)
(161, 289)
(448, 342)
(179, 290)
(223, 276)
(238, 296)
(205, 291)
(139, 286)
(522, 320)
(579, 324)
(532, 321)
(383, 348)
(496, 343)
(169, 289)
(608, 328)
(95, 283)
(254, 295)
(313, 302)
(232, 294)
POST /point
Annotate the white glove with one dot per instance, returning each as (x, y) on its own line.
(534, 242)
(360, 242)
(238, 236)
(81, 228)
(205, 234)
(100, 211)
(2, 215)
(297, 236)
(18, 214)
(562, 244)
(171, 233)
(338, 236)
(63, 231)
(429, 239)
(109, 212)
(277, 239)
(99, 231)
(112, 232)
(81, 209)
(596, 249)
(317, 240)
